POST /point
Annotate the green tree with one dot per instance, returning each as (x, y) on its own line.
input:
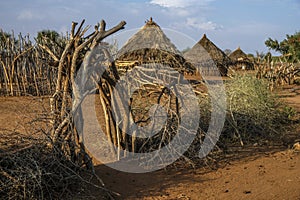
(51, 41)
(250, 55)
(4, 36)
(48, 35)
(289, 47)
(51, 37)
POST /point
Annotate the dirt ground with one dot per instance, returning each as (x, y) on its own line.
(17, 124)
(261, 173)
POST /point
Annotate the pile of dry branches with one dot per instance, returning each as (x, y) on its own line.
(51, 168)
(34, 170)
(37, 172)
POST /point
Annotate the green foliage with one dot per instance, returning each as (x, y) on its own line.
(4, 36)
(250, 55)
(253, 112)
(289, 47)
(48, 35)
(289, 112)
(52, 39)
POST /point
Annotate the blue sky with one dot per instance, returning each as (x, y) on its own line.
(228, 23)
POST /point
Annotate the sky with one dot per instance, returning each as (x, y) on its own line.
(228, 23)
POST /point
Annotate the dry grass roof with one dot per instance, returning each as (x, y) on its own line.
(238, 54)
(149, 36)
(205, 51)
(151, 45)
(240, 60)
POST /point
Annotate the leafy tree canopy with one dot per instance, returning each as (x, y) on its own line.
(4, 35)
(49, 34)
(290, 46)
(51, 38)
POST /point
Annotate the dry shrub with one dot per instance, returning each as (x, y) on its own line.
(38, 171)
(253, 115)
(35, 172)
(253, 111)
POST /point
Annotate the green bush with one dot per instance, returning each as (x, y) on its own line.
(253, 112)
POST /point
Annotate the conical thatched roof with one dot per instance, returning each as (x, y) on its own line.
(238, 54)
(151, 45)
(206, 52)
(240, 60)
(149, 36)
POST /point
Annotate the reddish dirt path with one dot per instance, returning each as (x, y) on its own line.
(16, 121)
(270, 174)
(273, 174)
(16, 113)
(291, 95)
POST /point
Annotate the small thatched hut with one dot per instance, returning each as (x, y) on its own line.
(151, 45)
(240, 60)
(208, 57)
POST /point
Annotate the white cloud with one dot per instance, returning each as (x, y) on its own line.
(29, 15)
(201, 24)
(70, 10)
(180, 3)
(25, 15)
(188, 13)
(182, 12)
(134, 11)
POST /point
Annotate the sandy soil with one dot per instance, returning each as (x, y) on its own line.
(270, 176)
(17, 124)
(260, 173)
(268, 173)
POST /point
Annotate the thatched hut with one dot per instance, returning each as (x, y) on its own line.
(151, 45)
(208, 57)
(240, 60)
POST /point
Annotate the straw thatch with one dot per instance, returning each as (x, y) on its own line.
(240, 60)
(208, 57)
(151, 45)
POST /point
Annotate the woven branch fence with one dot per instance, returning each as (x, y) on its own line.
(25, 68)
